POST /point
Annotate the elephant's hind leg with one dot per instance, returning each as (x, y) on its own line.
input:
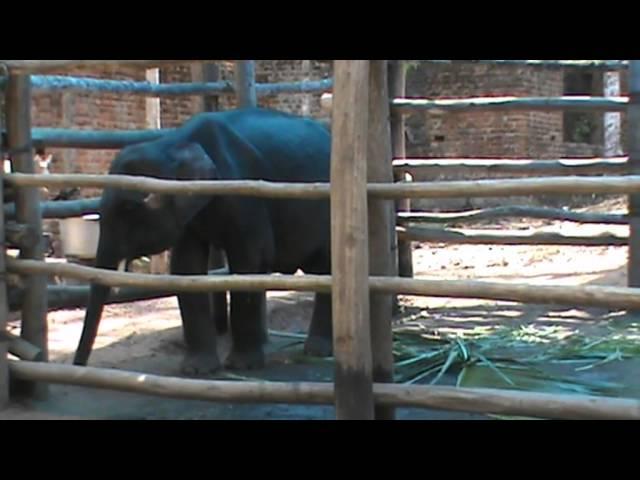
(190, 257)
(319, 341)
(251, 254)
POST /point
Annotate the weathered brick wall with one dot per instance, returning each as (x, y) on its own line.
(89, 110)
(176, 110)
(479, 134)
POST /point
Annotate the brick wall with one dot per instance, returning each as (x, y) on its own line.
(479, 134)
(89, 110)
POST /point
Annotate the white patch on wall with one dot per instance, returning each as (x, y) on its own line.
(612, 120)
(306, 98)
(153, 103)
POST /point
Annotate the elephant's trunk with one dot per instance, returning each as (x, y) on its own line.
(97, 298)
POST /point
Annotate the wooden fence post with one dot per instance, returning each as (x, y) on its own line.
(633, 132)
(246, 83)
(382, 261)
(349, 241)
(397, 80)
(217, 259)
(4, 302)
(34, 306)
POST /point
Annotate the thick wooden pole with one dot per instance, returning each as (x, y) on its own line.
(4, 307)
(159, 262)
(210, 74)
(633, 133)
(481, 400)
(397, 80)
(34, 306)
(349, 241)
(246, 83)
(382, 261)
(217, 259)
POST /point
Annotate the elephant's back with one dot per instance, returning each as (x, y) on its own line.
(293, 148)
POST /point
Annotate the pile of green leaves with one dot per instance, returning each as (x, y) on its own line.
(516, 358)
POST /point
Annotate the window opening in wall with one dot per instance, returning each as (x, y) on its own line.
(583, 127)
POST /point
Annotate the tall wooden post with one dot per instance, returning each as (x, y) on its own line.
(349, 241)
(4, 302)
(210, 73)
(633, 132)
(246, 83)
(34, 305)
(160, 262)
(217, 259)
(397, 80)
(381, 229)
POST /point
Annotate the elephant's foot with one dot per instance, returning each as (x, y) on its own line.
(318, 347)
(200, 364)
(250, 360)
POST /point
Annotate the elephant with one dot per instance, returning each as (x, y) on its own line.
(257, 235)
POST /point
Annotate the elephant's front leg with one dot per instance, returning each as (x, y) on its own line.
(190, 257)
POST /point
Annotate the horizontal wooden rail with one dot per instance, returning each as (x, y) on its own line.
(20, 348)
(520, 211)
(504, 402)
(605, 104)
(61, 208)
(473, 104)
(77, 296)
(595, 296)
(50, 83)
(586, 64)
(93, 139)
(32, 66)
(259, 188)
(467, 237)
(497, 166)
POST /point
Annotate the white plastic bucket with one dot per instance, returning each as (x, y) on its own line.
(79, 236)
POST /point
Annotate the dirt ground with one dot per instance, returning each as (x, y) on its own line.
(146, 336)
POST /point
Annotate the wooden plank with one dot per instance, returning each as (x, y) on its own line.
(502, 104)
(159, 262)
(20, 348)
(450, 189)
(593, 296)
(470, 237)
(77, 296)
(31, 66)
(556, 64)
(246, 83)
(4, 303)
(633, 139)
(349, 241)
(210, 73)
(507, 187)
(397, 87)
(503, 402)
(483, 166)
(217, 258)
(93, 139)
(519, 211)
(34, 309)
(382, 261)
(60, 208)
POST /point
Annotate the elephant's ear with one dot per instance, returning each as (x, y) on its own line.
(189, 161)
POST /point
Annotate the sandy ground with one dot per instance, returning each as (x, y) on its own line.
(146, 336)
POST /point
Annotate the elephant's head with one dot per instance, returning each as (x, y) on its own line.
(134, 224)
